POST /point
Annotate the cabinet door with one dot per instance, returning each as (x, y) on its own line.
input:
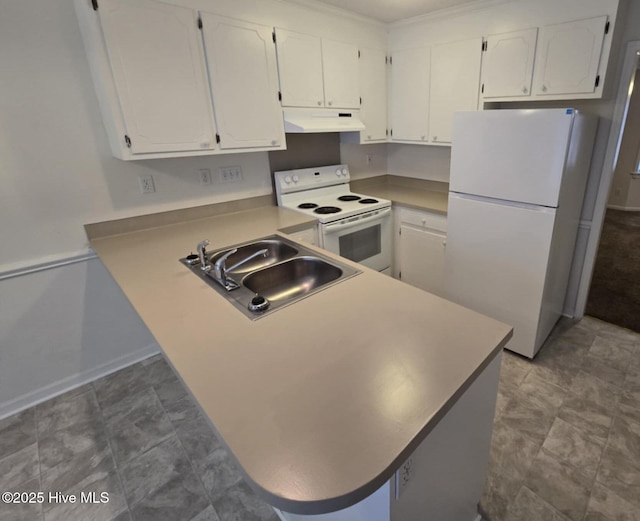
(410, 69)
(158, 68)
(300, 67)
(422, 258)
(507, 64)
(373, 87)
(569, 57)
(455, 84)
(340, 69)
(244, 78)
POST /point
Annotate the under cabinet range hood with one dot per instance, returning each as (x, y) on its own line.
(321, 120)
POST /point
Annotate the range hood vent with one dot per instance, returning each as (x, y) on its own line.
(321, 120)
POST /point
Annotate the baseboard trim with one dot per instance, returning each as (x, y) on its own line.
(67, 384)
(624, 208)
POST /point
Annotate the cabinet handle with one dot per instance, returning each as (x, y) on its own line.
(319, 103)
(544, 88)
(422, 138)
(444, 243)
(524, 90)
(435, 138)
(330, 103)
(274, 142)
(369, 136)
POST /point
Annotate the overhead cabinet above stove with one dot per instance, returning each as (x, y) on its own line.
(316, 72)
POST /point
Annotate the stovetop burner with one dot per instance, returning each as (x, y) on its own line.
(327, 209)
(349, 198)
(307, 206)
(368, 201)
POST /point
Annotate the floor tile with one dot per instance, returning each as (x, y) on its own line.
(218, 472)
(596, 390)
(615, 352)
(530, 418)
(17, 431)
(23, 511)
(629, 405)
(499, 493)
(136, 425)
(610, 506)
(620, 474)
(542, 392)
(511, 451)
(590, 417)
(570, 445)
(625, 436)
(241, 504)
(513, 371)
(153, 469)
(112, 389)
(599, 369)
(197, 437)
(529, 507)
(113, 510)
(19, 467)
(66, 410)
(559, 485)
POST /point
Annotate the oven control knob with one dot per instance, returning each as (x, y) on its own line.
(287, 179)
(344, 171)
(338, 172)
(295, 178)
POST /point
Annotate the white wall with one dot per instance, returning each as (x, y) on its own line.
(63, 326)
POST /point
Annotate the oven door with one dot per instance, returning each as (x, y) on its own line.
(364, 238)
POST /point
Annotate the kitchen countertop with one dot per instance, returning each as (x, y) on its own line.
(419, 194)
(321, 401)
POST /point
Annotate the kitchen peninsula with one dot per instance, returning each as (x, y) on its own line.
(321, 402)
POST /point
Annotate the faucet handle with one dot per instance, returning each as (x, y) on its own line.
(202, 253)
(220, 263)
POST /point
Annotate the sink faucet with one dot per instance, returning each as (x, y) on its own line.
(220, 269)
(202, 253)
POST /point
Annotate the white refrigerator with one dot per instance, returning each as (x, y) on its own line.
(517, 184)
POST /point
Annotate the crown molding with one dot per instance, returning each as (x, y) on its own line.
(337, 11)
(447, 12)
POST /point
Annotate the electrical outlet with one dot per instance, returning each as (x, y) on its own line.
(146, 184)
(204, 175)
(230, 174)
(404, 476)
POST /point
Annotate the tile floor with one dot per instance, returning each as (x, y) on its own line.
(566, 443)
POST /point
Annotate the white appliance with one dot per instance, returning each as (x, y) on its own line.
(517, 183)
(352, 225)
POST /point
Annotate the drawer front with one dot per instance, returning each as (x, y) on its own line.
(433, 221)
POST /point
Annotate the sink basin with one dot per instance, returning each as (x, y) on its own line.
(277, 251)
(291, 279)
(262, 285)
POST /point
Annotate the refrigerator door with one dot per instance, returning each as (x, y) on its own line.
(514, 155)
(496, 262)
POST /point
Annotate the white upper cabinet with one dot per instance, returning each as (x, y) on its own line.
(300, 68)
(410, 83)
(373, 89)
(246, 106)
(149, 42)
(569, 57)
(317, 72)
(455, 84)
(507, 64)
(340, 68)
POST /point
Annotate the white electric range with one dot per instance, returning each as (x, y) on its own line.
(352, 225)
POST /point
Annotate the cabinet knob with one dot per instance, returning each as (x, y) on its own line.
(444, 243)
(524, 90)
(330, 103)
(435, 138)
(319, 103)
(274, 142)
(423, 137)
(544, 88)
(369, 136)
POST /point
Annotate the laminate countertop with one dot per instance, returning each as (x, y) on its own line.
(419, 194)
(321, 401)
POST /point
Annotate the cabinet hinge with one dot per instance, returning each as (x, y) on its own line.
(606, 28)
(127, 141)
(390, 60)
(94, 4)
(399, 231)
(358, 53)
(279, 95)
(484, 45)
(391, 132)
(386, 131)
(217, 138)
(482, 89)
(199, 23)
(360, 100)
(597, 80)
(273, 35)
(386, 59)
(399, 274)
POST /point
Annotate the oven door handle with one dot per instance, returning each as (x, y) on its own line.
(342, 225)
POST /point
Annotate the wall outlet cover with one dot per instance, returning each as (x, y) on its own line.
(146, 184)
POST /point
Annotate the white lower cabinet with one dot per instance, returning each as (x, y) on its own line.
(420, 241)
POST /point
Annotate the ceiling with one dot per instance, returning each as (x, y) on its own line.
(394, 10)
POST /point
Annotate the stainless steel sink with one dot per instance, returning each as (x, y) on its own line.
(289, 272)
(292, 278)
